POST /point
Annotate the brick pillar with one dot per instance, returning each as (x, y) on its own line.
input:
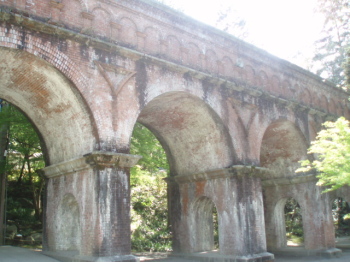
(317, 220)
(97, 189)
(237, 194)
(316, 211)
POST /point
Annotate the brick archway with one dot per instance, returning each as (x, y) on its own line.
(50, 101)
(88, 75)
(193, 135)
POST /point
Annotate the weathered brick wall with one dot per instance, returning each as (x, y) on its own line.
(85, 71)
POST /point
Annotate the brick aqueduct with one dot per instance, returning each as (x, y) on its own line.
(233, 119)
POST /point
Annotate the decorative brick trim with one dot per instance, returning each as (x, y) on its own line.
(94, 159)
(141, 34)
(87, 15)
(290, 180)
(115, 87)
(56, 4)
(234, 171)
(79, 80)
(115, 25)
(164, 42)
(184, 50)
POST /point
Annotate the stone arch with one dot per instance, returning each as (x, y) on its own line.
(282, 147)
(263, 80)
(128, 31)
(250, 76)
(339, 109)
(194, 54)
(286, 89)
(68, 224)
(332, 108)
(202, 218)
(69, 14)
(324, 103)
(192, 134)
(50, 101)
(174, 47)
(211, 61)
(316, 102)
(101, 22)
(305, 97)
(279, 223)
(152, 40)
(227, 67)
(275, 84)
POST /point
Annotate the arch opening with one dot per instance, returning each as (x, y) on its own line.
(150, 230)
(340, 211)
(195, 140)
(288, 223)
(206, 229)
(294, 223)
(57, 110)
(192, 134)
(21, 184)
(51, 101)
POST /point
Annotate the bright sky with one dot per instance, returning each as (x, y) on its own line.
(282, 27)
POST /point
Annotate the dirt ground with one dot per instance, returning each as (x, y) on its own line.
(17, 254)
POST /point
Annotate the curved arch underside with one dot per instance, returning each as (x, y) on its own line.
(283, 146)
(192, 134)
(50, 101)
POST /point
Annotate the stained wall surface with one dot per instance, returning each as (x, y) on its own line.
(233, 120)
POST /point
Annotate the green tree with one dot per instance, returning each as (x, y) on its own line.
(294, 223)
(332, 151)
(340, 209)
(24, 158)
(330, 51)
(149, 214)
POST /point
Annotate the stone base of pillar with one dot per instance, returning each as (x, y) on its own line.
(68, 256)
(217, 257)
(302, 252)
(331, 253)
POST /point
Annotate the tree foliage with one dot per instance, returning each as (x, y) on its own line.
(293, 220)
(24, 184)
(331, 48)
(340, 212)
(332, 150)
(149, 213)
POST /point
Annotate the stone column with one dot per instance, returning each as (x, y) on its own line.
(237, 194)
(319, 234)
(316, 214)
(97, 189)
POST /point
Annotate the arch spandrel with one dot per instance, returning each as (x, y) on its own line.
(51, 101)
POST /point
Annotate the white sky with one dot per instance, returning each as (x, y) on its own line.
(282, 27)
